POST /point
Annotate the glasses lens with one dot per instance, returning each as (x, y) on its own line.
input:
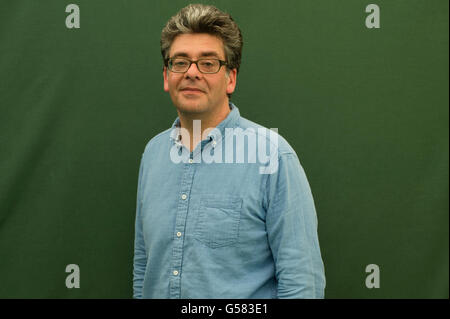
(204, 65)
(208, 65)
(179, 65)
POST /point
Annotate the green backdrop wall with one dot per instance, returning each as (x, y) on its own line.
(365, 109)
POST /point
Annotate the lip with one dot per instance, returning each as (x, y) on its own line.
(191, 90)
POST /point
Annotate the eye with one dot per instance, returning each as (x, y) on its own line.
(180, 63)
(207, 63)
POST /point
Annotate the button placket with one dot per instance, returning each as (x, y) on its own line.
(180, 224)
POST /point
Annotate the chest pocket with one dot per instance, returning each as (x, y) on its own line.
(218, 220)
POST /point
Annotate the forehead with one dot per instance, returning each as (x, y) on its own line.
(195, 45)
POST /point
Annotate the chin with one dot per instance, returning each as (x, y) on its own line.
(191, 106)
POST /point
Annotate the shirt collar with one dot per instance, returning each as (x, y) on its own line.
(229, 122)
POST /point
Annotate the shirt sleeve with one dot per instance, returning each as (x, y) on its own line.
(140, 256)
(291, 223)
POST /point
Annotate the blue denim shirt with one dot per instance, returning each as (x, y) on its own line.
(225, 228)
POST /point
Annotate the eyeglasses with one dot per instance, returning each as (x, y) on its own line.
(207, 66)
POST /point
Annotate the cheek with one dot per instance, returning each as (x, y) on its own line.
(224, 86)
(218, 85)
(172, 83)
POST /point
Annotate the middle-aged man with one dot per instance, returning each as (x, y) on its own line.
(209, 224)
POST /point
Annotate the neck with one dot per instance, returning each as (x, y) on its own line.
(204, 123)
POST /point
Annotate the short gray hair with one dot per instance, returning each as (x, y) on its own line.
(199, 18)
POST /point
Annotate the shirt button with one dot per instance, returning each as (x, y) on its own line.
(175, 272)
(214, 143)
(190, 160)
(178, 234)
(184, 196)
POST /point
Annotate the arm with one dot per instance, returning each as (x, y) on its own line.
(292, 231)
(140, 257)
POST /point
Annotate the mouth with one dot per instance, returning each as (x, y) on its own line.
(190, 90)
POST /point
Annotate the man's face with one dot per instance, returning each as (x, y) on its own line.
(193, 91)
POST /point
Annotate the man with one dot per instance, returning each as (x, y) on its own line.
(209, 225)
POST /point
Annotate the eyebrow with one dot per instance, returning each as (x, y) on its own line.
(202, 54)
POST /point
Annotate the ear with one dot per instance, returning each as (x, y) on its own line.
(232, 77)
(166, 81)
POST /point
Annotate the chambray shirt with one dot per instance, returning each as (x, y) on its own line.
(225, 228)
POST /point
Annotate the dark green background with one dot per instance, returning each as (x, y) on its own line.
(365, 109)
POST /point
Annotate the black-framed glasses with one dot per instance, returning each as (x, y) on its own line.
(206, 65)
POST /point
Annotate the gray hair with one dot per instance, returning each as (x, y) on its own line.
(199, 18)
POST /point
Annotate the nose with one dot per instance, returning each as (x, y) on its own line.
(193, 71)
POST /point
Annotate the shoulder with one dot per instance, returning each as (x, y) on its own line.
(271, 136)
(157, 141)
